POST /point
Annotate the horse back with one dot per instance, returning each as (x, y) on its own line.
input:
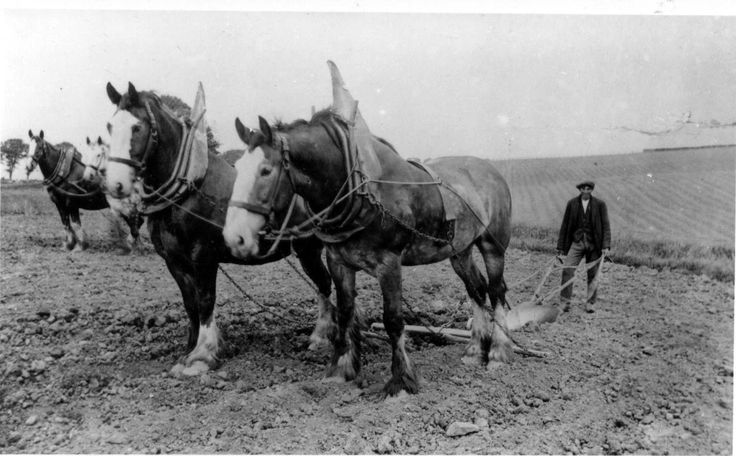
(472, 198)
(477, 193)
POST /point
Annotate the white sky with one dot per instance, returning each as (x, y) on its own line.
(480, 83)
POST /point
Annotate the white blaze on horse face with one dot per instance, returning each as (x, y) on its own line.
(242, 226)
(119, 176)
(90, 156)
(31, 152)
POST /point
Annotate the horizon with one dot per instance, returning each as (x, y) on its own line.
(499, 86)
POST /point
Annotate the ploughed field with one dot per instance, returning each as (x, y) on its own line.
(87, 341)
(682, 195)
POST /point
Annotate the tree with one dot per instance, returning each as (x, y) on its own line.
(11, 152)
(182, 109)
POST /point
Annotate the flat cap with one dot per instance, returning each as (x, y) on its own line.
(584, 183)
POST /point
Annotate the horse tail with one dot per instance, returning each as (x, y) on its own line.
(530, 312)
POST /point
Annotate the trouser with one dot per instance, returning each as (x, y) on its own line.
(578, 251)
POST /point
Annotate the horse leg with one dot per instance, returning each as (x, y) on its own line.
(115, 231)
(71, 239)
(402, 378)
(134, 222)
(501, 350)
(345, 362)
(310, 257)
(197, 287)
(79, 233)
(480, 335)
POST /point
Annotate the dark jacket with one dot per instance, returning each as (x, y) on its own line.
(598, 218)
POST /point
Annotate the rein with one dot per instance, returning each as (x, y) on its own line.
(323, 220)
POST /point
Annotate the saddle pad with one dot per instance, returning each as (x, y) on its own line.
(445, 194)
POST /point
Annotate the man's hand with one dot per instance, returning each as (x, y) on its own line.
(560, 253)
(606, 252)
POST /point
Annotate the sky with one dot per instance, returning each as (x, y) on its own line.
(496, 83)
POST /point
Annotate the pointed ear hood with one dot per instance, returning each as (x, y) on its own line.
(345, 106)
(198, 138)
(343, 103)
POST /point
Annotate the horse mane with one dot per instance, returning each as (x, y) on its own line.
(320, 116)
(147, 96)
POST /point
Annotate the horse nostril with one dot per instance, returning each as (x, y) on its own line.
(119, 187)
(241, 241)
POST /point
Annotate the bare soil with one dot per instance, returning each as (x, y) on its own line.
(87, 341)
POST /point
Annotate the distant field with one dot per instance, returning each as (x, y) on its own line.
(683, 195)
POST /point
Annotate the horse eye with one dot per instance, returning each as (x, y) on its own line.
(265, 171)
(136, 128)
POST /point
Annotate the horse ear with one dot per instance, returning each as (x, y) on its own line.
(88, 141)
(30, 134)
(132, 94)
(113, 94)
(99, 140)
(314, 111)
(244, 133)
(265, 129)
(40, 135)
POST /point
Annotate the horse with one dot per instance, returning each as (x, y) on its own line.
(94, 155)
(377, 212)
(146, 141)
(63, 172)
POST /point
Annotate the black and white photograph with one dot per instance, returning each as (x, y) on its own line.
(251, 227)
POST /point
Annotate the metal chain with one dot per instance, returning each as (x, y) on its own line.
(253, 300)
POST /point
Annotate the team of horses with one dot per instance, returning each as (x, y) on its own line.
(326, 184)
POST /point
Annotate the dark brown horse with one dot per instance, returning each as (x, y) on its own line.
(63, 172)
(377, 212)
(185, 222)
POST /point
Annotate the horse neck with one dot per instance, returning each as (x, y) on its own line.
(163, 157)
(50, 159)
(320, 166)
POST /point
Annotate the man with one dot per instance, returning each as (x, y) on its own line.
(585, 232)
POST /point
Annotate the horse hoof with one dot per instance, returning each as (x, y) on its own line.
(318, 344)
(494, 366)
(197, 368)
(177, 370)
(398, 397)
(334, 379)
(472, 360)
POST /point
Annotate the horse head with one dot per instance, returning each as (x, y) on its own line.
(39, 148)
(94, 156)
(138, 129)
(261, 192)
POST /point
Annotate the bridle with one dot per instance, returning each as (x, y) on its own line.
(267, 209)
(151, 144)
(56, 180)
(322, 220)
(36, 157)
(179, 182)
(100, 157)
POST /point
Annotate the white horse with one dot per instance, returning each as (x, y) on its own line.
(94, 155)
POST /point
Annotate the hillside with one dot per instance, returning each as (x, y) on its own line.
(683, 195)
